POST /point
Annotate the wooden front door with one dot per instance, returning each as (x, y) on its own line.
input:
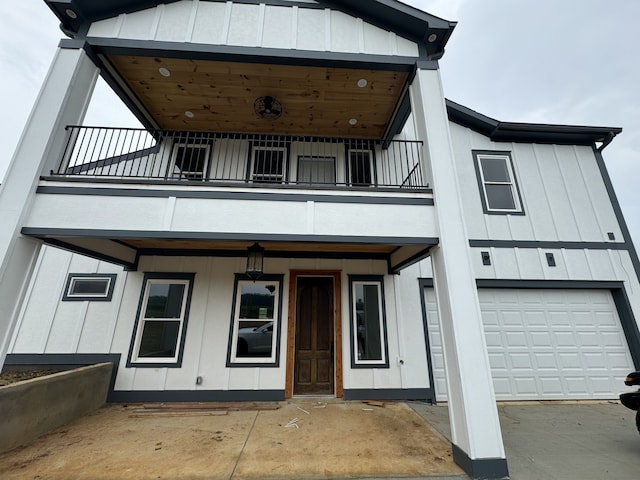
(314, 344)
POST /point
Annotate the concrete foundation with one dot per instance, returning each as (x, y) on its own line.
(34, 407)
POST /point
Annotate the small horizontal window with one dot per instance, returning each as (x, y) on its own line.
(268, 164)
(497, 182)
(94, 287)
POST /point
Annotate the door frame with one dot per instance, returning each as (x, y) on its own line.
(337, 327)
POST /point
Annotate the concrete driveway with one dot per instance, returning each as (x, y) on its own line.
(561, 441)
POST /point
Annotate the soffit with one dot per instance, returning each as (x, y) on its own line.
(317, 101)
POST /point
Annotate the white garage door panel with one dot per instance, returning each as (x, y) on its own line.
(545, 344)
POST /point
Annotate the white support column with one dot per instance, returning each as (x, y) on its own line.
(475, 427)
(63, 100)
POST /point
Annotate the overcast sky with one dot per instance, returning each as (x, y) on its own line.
(541, 61)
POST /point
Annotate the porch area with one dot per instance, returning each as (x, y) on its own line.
(307, 437)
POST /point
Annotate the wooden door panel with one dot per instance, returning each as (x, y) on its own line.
(314, 364)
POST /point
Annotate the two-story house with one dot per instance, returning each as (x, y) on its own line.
(304, 213)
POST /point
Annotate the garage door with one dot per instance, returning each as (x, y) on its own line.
(545, 344)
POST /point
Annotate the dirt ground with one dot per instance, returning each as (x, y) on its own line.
(7, 378)
(297, 439)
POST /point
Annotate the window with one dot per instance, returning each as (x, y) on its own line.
(162, 320)
(497, 182)
(255, 322)
(368, 322)
(361, 167)
(190, 161)
(317, 170)
(268, 164)
(94, 287)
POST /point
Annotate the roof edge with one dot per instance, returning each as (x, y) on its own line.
(530, 132)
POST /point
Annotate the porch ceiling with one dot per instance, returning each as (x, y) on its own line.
(316, 101)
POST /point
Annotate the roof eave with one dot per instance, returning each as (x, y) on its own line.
(530, 132)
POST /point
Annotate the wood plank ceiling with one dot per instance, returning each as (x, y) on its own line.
(317, 101)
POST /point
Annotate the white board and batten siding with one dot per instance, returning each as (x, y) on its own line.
(48, 325)
(563, 195)
(295, 27)
(545, 344)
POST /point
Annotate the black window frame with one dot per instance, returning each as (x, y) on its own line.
(311, 158)
(384, 337)
(232, 361)
(134, 360)
(109, 277)
(515, 188)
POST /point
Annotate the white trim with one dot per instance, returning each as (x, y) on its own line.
(274, 318)
(189, 174)
(511, 183)
(268, 178)
(135, 358)
(354, 315)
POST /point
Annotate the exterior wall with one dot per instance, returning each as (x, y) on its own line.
(563, 194)
(271, 214)
(255, 25)
(50, 326)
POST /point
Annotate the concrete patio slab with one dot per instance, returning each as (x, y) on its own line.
(303, 439)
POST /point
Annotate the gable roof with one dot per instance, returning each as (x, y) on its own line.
(431, 31)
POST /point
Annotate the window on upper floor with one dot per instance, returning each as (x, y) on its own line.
(190, 161)
(159, 334)
(96, 287)
(268, 164)
(255, 322)
(360, 165)
(368, 323)
(498, 186)
(317, 170)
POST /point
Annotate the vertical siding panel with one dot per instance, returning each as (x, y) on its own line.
(174, 23)
(529, 263)
(376, 40)
(556, 192)
(277, 31)
(598, 193)
(538, 215)
(210, 25)
(579, 203)
(577, 265)
(137, 25)
(243, 25)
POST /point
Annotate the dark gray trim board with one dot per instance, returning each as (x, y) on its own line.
(49, 233)
(388, 394)
(545, 244)
(226, 195)
(126, 396)
(618, 211)
(65, 361)
(242, 253)
(486, 468)
(421, 255)
(232, 53)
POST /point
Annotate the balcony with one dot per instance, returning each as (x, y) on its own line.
(246, 160)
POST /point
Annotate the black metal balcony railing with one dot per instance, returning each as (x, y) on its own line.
(127, 153)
